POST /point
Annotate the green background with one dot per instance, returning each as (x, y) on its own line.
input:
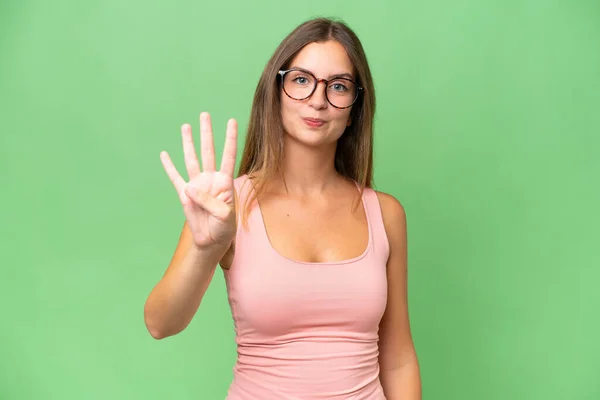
(487, 130)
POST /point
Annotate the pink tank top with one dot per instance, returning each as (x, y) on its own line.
(306, 330)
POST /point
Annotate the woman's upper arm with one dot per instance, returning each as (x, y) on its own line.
(396, 344)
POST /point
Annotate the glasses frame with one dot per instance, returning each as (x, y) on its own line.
(282, 73)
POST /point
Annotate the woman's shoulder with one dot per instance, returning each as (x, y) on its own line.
(389, 204)
(240, 179)
(242, 185)
(392, 211)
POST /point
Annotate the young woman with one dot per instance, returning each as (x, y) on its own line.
(314, 259)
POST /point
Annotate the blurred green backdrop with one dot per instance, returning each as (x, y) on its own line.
(486, 130)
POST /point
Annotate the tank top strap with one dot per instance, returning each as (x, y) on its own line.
(244, 239)
(242, 186)
(244, 189)
(375, 217)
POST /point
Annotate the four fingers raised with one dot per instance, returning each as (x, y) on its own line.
(207, 152)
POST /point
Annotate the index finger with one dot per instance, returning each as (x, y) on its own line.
(230, 148)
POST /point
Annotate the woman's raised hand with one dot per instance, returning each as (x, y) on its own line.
(208, 198)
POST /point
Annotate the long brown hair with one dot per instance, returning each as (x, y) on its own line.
(263, 151)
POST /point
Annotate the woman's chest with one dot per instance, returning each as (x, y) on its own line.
(315, 234)
(279, 298)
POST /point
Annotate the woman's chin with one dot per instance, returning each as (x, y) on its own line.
(311, 138)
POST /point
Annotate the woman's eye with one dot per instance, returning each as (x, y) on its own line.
(338, 87)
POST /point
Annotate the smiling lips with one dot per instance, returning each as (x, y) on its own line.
(314, 122)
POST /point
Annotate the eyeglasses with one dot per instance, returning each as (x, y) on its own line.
(299, 84)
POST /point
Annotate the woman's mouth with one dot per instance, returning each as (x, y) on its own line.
(314, 122)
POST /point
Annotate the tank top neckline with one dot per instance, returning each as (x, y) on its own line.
(267, 240)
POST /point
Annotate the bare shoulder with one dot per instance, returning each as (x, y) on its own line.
(394, 215)
(394, 221)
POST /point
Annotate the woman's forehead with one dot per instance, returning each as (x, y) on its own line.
(324, 59)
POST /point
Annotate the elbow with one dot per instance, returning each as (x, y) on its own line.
(155, 331)
(158, 335)
(160, 332)
(158, 329)
(155, 328)
(161, 322)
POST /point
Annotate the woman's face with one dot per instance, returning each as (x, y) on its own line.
(314, 121)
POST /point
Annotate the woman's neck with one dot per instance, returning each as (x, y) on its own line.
(308, 170)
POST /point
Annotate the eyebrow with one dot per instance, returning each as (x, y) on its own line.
(340, 75)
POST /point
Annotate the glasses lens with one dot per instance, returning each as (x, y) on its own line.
(299, 85)
(341, 92)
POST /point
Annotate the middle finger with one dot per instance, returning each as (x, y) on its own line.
(207, 144)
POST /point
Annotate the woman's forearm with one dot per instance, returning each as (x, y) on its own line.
(402, 383)
(175, 299)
